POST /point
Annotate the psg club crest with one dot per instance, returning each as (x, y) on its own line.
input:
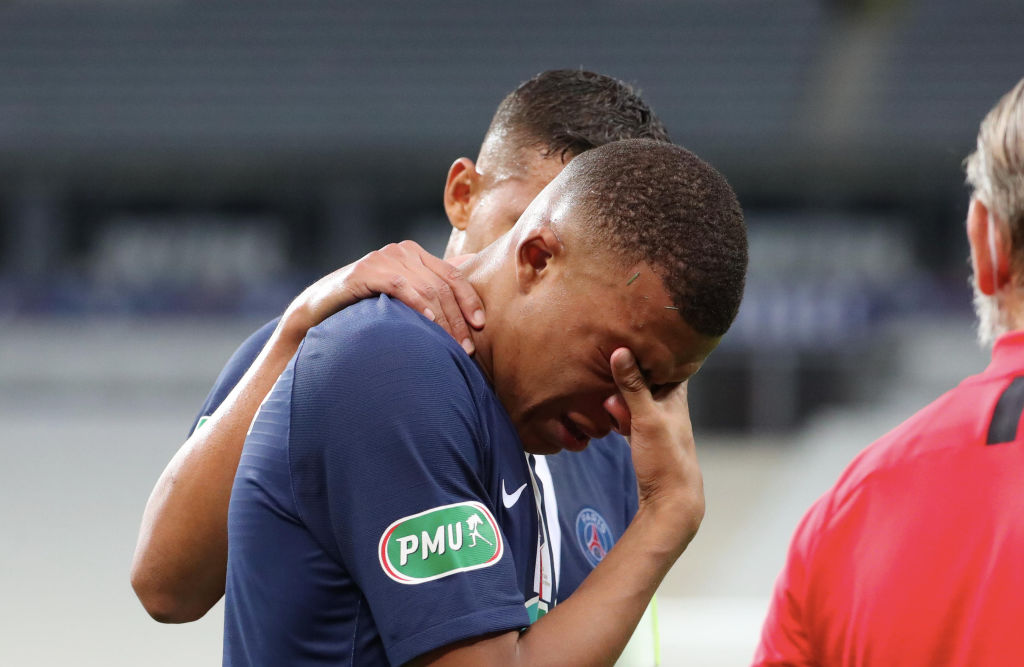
(593, 535)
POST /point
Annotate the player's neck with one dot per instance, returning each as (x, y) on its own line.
(1011, 303)
(485, 275)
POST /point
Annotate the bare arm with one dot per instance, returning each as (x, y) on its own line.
(180, 559)
(594, 624)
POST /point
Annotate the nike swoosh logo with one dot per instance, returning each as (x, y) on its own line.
(510, 499)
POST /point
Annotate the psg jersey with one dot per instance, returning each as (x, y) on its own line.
(599, 479)
(372, 517)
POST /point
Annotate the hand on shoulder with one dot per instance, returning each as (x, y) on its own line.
(404, 271)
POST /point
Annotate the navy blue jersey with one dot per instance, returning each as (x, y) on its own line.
(370, 519)
(590, 496)
(595, 498)
(236, 367)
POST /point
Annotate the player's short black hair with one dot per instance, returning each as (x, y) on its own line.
(566, 112)
(659, 203)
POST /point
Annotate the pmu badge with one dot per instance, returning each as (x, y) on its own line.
(593, 535)
(439, 542)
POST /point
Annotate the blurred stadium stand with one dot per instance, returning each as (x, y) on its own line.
(201, 159)
(173, 171)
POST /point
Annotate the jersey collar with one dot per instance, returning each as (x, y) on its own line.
(1008, 352)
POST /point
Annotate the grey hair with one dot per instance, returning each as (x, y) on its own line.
(995, 172)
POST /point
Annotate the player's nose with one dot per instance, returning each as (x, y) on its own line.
(617, 410)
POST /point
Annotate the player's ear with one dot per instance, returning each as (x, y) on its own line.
(460, 191)
(534, 254)
(990, 255)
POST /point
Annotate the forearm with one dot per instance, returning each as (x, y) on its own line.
(592, 626)
(180, 560)
(181, 556)
(621, 586)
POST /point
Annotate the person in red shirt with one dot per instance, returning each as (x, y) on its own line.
(916, 555)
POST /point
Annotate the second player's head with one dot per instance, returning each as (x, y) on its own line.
(636, 244)
(995, 221)
(537, 129)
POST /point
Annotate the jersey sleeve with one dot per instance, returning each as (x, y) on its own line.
(233, 371)
(785, 637)
(387, 452)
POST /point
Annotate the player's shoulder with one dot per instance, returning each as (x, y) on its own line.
(609, 456)
(954, 421)
(614, 457)
(941, 433)
(381, 322)
(380, 347)
(380, 329)
(246, 353)
(258, 339)
(612, 447)
(239, 362)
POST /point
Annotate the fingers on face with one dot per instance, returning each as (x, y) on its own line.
(617, 409)
(634, 397)
(627, 375)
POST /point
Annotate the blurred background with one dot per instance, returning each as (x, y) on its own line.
(173, 172)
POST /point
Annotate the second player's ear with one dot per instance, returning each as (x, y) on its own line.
(460, 191)
(534, 254)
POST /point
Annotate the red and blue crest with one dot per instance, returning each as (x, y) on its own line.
(593, 535)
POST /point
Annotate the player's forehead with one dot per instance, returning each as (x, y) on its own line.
(639, 313)
(670, 352)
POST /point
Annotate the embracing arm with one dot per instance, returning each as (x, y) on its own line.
(180, 559)
(594, 624)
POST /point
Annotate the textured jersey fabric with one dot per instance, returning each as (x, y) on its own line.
(599, 478)
(233, 371)
(594, 489)
(379, 418)
(914, 557)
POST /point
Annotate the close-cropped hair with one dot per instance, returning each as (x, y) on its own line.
(567, 112)
(995, 170)
(655, 202)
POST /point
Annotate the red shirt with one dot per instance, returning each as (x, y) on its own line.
(916, 555)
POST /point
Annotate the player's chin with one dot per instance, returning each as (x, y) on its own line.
(553, 435)
(540, 446)
(547, 437)
(568, 436)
